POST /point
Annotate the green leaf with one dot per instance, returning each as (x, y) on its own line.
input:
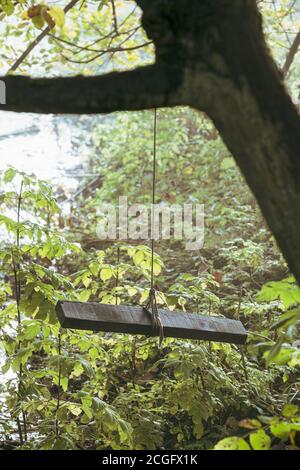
(232, 443)
(93, 353)
(274, 352)
(125, 431)
(87, 406)
(198, 426)
(228, 163)
(156, 269)
(64, 382)
(75, 409)
(131, 291)
(250, 424)
(9, 175)
(138, 258)
(87, 367)
(290, 410)
(94, 268)
(286, 290)
(78, 370)
(86, 280)
(259, 440)
(38, 21)
(280, 429)
(144, 296)
(287, 319)
(58, 15)
(172, 301)
(108, 299)
(84, 295)
(8, 7)
(63, 443)
(106, 273)
(32, 330)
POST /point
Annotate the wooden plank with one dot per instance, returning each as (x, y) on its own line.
(136, 320)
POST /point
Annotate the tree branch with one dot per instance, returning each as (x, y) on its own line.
(37, 40)
(291, 55)
(142, 88)
(212, 56)
(114, 14)
(111, 50)
(89, 47)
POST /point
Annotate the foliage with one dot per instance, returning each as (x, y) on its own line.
(87, 38)
(76, 389)
(266, 432)
(67, 389)
(64, 389)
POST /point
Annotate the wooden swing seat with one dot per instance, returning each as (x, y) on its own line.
(136, 320)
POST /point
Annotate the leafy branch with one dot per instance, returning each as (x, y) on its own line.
(37, 40)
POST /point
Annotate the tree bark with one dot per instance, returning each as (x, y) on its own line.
(210, 55)
(260, 125)
(142, 88)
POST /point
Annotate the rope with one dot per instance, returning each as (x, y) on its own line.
(153, 195)
(151, 306)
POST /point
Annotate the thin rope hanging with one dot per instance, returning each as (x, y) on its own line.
(151, 306)
(153, 195)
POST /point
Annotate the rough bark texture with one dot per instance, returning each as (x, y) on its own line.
(210, 55)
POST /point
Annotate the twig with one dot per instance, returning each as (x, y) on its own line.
(89, 47)
(114, 12)
(291, 55)
(113, 50)
(37, 40)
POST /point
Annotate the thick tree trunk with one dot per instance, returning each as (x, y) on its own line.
(258, 122)
(269, 157)
(210, 55)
